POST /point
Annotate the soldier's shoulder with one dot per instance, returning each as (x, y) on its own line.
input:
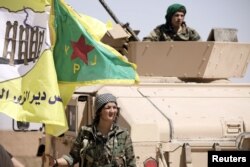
(86, 131)
(159, 27)
(120, 128)
(87, 127)
(122, 131)
(190, 29)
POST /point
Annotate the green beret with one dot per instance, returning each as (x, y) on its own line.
(172, 9)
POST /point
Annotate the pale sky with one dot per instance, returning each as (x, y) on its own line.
(202, 15)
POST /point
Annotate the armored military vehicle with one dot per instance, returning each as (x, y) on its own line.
(183, 107)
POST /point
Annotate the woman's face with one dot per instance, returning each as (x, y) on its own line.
(177, 19)
(109, 112)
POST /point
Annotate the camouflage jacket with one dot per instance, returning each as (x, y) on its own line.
(164, 32)
(91, 149)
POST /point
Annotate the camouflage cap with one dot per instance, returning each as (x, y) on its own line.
(103, 99)
(172, 9)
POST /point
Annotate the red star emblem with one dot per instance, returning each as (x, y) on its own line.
(80, 49)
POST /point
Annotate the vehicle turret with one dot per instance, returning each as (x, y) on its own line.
(202, 61)
(190, 60)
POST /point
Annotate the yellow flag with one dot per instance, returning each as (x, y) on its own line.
(28, 83)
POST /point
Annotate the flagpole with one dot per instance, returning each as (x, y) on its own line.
(47, 136)
(47, 149)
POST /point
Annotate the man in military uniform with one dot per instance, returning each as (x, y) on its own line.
(175, 28)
